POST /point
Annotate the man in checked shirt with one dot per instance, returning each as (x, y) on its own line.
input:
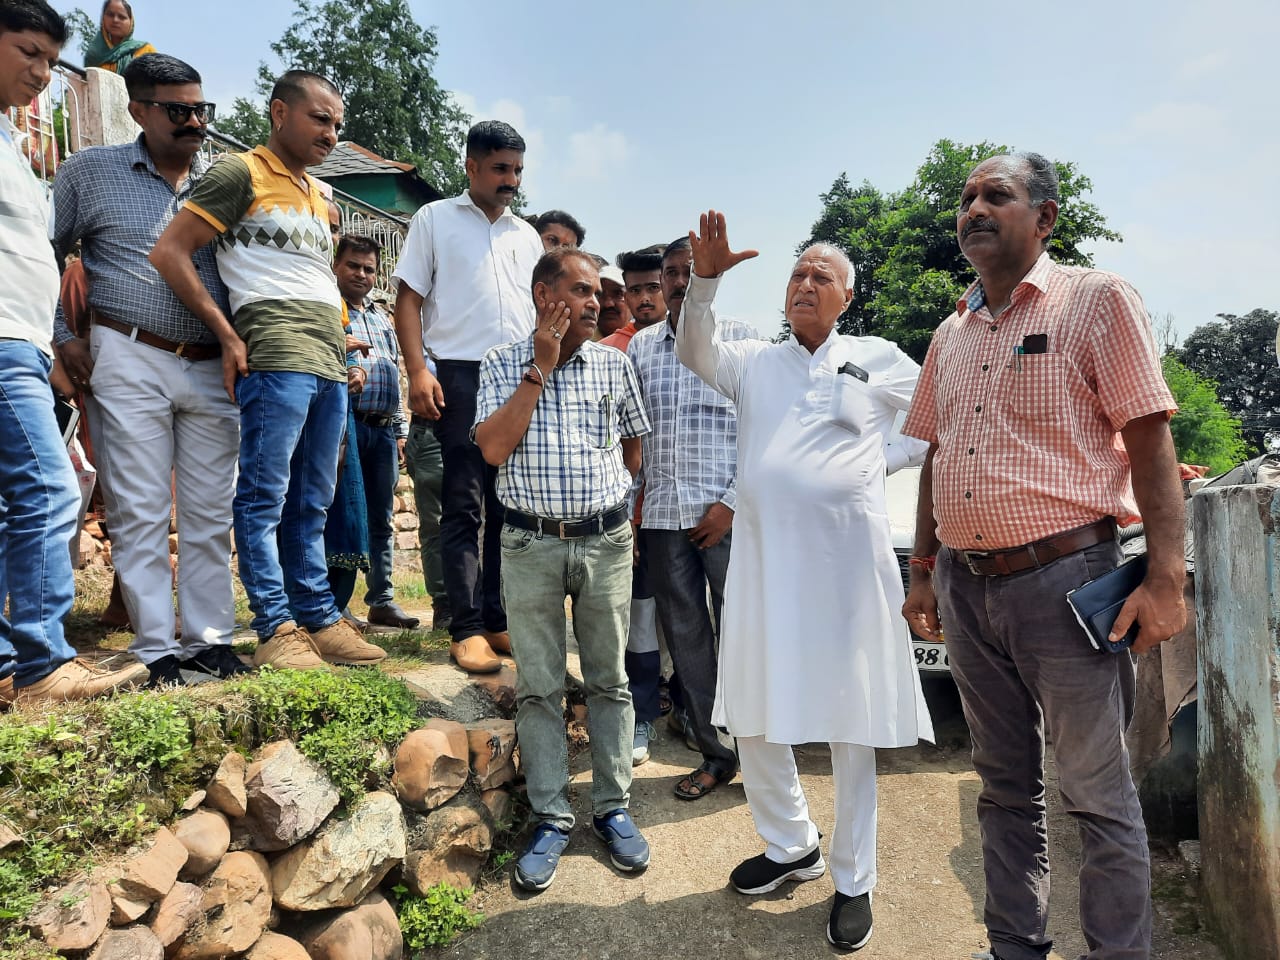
(381, 430)
(561, 418)
(166, 425)
(690, 465)
(1048, 421)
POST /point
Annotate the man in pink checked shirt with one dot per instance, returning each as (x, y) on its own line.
(1047, 417)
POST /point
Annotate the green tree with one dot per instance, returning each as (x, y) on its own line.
(910, 271)
(83, 26)
(247, 122)
(381, 61)
(1204, 432)
(1239, 355)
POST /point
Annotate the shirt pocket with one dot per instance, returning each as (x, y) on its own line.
(597, 421)
(852, 403)
(1039, 385)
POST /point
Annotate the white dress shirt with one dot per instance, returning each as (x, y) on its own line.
(475, 277)
(28, 272)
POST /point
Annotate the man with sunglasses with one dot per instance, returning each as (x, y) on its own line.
(164, 427)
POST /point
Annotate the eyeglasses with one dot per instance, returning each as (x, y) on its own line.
(180, 112)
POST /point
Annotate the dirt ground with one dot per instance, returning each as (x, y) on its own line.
(928, 902)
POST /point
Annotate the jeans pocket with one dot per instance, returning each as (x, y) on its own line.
(513, 540)
(620, 536)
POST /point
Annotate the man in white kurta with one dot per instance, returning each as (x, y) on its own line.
(812, 647)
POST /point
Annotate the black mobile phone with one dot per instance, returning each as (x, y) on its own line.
(1035, 343)
(855, 371)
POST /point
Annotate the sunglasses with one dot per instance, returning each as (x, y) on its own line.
(180, 112)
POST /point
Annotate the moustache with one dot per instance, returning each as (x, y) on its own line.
(510, 190)
(983, 225)
(191, 132)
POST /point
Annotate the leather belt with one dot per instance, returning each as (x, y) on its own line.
(568, 529)
(187, 351)
(374, 419)
(1030, 556)
(417, 421)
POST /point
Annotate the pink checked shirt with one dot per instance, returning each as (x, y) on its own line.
(1028, 443)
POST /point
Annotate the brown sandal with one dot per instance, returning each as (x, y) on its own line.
(690, 788)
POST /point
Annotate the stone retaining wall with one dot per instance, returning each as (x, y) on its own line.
(266, 864)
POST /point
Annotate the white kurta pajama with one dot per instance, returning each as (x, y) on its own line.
(813, 646)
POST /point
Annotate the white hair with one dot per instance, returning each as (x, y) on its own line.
(827, 250)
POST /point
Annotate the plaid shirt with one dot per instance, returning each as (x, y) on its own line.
(1028, 443)
(114, 201)
(381, 393)
(569, 464)
(690, 458)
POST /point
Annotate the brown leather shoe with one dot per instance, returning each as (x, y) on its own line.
(290, 648)
(499, 641)
(78, 680)
(340, 642)
(390, 615)
(6, 691)
(474, 655)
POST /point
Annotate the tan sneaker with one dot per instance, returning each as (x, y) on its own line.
(499, 641)
(474, 655)
(340, 642)
(78, 680)
(290, 648)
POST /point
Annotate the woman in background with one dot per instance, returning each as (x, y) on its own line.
(114, 47)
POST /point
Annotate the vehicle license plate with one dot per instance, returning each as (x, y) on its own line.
(930, 656)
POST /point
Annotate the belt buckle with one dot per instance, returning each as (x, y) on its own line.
(181, 350)
(970, 556)
(563, 535)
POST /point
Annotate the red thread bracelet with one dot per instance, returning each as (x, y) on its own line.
(927, 562)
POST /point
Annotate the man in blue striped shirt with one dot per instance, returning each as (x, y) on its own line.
(561, 417)
(154, 371)
(381, 430)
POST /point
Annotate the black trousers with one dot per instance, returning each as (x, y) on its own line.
(469, 503)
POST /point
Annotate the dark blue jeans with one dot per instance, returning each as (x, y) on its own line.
(39, 513)
(470, 500)
(680, 574)
(380, 465)
(290, 431)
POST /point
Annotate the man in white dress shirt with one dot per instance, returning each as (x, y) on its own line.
(812, 564)
(465, 278)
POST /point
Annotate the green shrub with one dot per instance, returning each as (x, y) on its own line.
(437, 919)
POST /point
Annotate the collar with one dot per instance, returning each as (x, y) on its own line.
(582, 353)
(464, 200)
(823, 347)
(140, 156)
(975, 298)
(263, 152)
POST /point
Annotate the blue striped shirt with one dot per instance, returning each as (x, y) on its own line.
(113, 200)
(381, 393)
(569, 464)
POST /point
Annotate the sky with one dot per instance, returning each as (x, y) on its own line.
(639, 117)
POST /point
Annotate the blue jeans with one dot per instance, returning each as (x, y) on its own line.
(538, 571)
(380, 464)
(290, 432)
(39, 513)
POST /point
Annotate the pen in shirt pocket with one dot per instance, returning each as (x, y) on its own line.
(606, 408)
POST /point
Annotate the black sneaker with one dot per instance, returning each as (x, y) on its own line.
(218, 662)
(167, 671)
(850, 925)
(760, 874)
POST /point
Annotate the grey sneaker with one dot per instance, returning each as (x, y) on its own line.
(640, 745)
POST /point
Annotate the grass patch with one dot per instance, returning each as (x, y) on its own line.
(437, 919)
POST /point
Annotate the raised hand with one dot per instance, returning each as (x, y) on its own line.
(553, 321)
(711, 253)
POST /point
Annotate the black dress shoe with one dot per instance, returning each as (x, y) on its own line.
(441, 615)
(391, 615)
